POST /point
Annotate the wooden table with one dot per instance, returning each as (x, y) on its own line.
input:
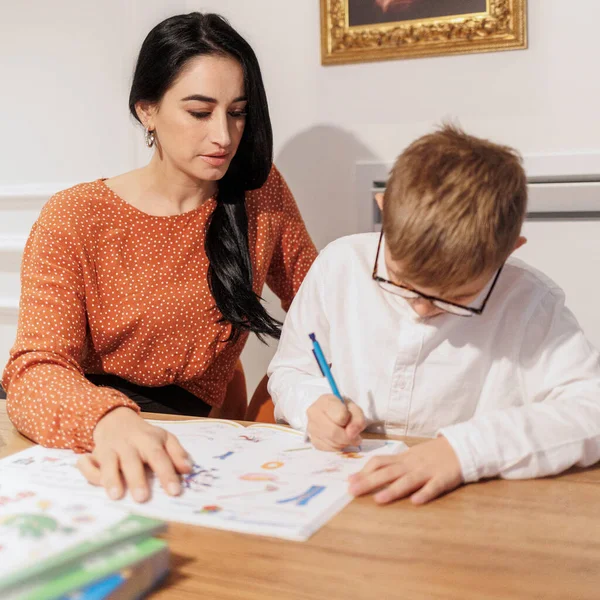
(497, 539)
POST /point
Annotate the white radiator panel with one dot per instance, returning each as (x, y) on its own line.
(561, 197)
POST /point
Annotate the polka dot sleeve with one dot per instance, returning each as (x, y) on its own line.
(294, 251)
(48, 398)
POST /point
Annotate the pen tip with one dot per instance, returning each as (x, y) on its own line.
(312, 337)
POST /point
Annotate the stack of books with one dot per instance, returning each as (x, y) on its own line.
(57, 547)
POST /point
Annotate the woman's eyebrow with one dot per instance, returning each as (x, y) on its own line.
(202, 98)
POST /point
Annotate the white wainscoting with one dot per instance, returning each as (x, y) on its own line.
(20, 206)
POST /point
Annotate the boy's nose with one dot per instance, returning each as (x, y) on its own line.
(424, 308)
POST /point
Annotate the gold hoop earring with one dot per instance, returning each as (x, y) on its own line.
(149, 137)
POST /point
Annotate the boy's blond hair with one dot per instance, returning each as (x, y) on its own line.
(453, 208)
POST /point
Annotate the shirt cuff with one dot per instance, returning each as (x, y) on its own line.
(462, 438)
(292, 410)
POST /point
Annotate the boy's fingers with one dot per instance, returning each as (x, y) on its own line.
(357, 422)
(334, 437)
(334, 434)
(337, 411)
(435, 487)
(368, 483)
(330, 437)
(377, 462)
(321, 444)
(400, 488)
(327, 419)
(431, 490)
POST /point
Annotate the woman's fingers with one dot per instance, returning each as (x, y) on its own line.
(164, 469)
(178, 454)
(110, 475)
(89, 468)
(134, 473)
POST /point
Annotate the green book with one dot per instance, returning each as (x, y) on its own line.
(44, 533)
(129, 583)
(142, 564)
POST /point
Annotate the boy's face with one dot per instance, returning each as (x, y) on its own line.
(464, 294)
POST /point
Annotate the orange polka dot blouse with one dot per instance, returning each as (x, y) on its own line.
(106, 288)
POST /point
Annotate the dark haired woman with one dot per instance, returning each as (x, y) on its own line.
(139, 291)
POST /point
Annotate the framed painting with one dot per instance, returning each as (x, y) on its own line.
(367, 30)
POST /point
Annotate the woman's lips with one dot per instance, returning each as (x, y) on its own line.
(215, 160)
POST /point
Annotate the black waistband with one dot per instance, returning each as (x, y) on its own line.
(168, 399)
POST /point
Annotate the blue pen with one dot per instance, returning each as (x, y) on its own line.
(324, 366)
(318, 353)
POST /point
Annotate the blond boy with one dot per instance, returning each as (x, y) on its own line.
(432, 330)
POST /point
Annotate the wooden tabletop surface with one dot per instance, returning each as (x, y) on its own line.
(496, 539)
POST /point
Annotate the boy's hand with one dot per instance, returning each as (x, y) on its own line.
(333, 425)
(426, 471)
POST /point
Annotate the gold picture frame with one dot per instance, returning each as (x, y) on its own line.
(344, 39)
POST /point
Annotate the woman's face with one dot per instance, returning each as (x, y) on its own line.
(200, 120)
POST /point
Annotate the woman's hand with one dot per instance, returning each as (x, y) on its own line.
(125, 443)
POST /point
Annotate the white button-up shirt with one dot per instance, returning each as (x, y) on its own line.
(516, 390)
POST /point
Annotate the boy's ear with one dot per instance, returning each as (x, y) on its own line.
(520, 242)
(379, 200)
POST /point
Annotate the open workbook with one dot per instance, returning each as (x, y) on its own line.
(262, 479)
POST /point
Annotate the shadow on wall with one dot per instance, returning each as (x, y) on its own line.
(319, 166)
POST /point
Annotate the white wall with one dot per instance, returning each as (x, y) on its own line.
(541, 100)
(65, 70)
(67, 65)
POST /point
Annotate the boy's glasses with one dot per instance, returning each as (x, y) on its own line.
(445, 305)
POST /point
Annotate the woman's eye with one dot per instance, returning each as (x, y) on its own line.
(236, 114)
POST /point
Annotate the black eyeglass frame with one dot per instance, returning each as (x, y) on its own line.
(470, 309)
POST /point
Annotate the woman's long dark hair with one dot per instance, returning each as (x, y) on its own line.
(164, 53)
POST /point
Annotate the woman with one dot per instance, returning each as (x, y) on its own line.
(140, 291)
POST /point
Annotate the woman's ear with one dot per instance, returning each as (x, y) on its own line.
(145, 112)
(379, 200)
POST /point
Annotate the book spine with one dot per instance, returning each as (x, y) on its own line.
(94, 568)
